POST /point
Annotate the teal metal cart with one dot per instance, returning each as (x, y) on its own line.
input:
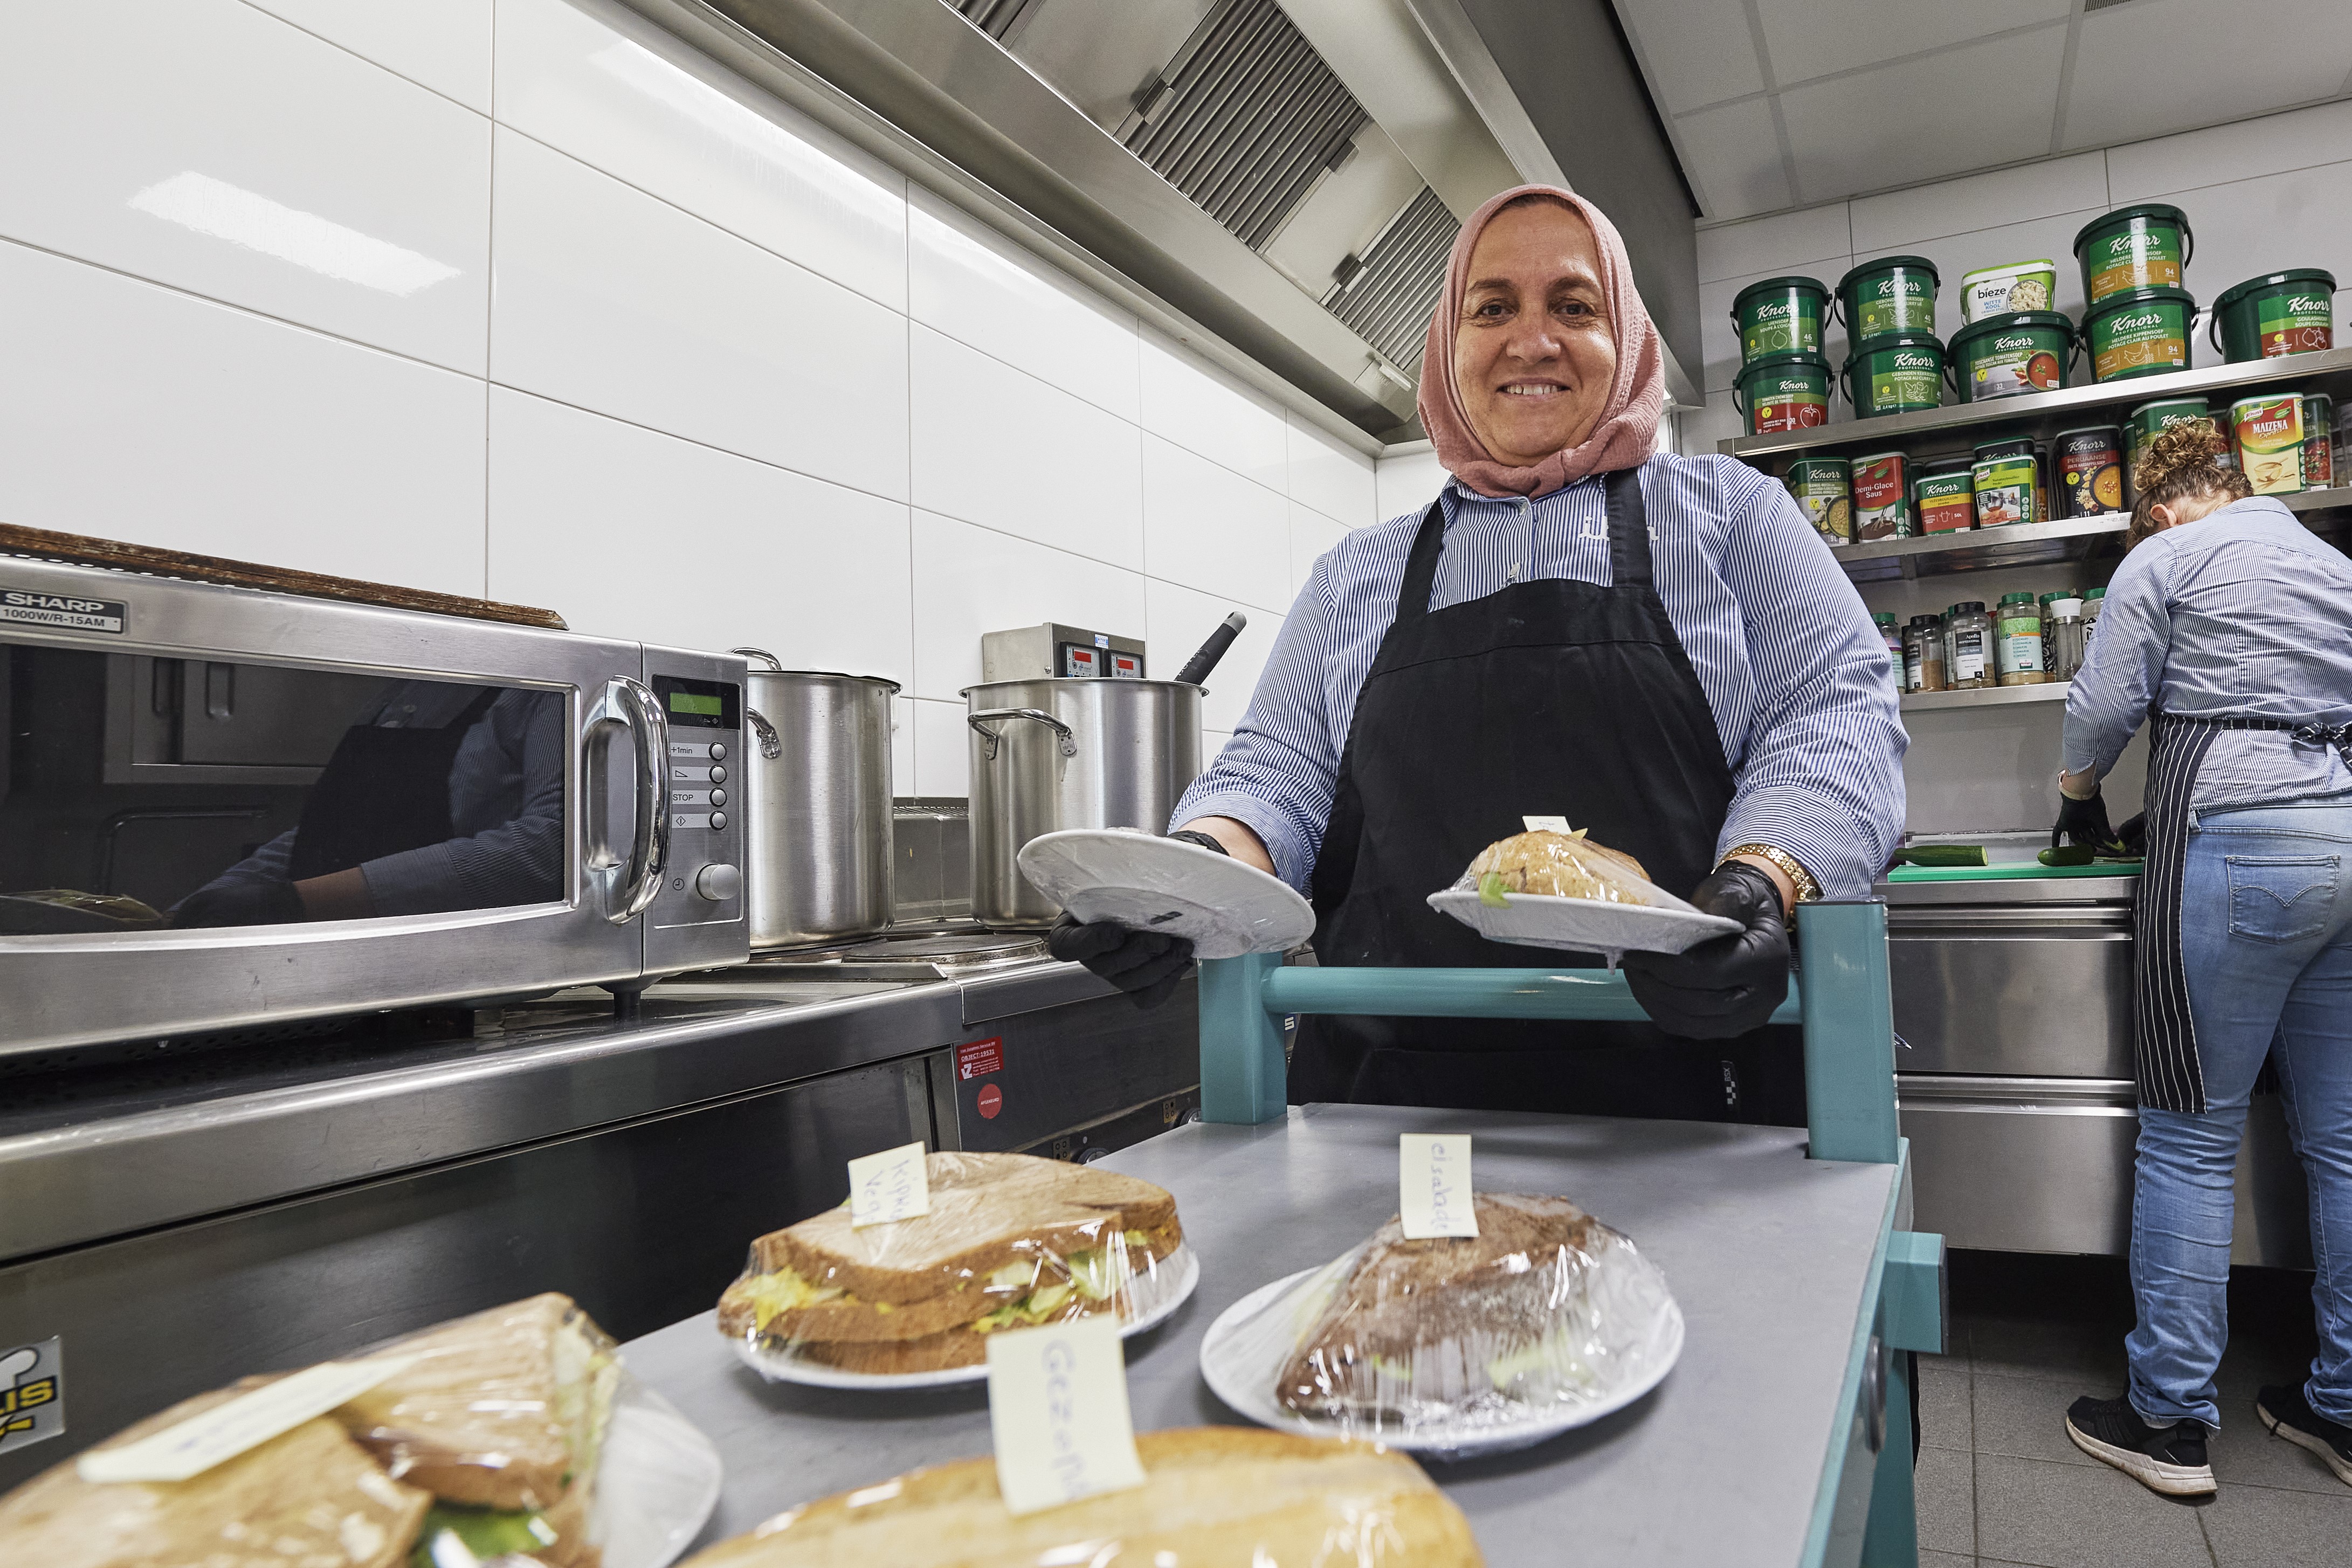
(1862, 1509)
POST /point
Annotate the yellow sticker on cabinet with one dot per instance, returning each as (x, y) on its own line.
(193, 1446)
(892, 1185)
(1434, 1184)
(1057, 1414)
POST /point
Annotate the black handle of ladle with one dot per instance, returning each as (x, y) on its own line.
(1197, 669)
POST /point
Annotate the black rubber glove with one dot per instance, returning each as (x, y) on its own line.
(2133, 835)
(1729, 985)
(1147, 964)
(2083, 823)
(241, 903)
(1198, 840)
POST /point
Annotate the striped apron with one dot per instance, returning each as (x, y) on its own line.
(2165, 1054)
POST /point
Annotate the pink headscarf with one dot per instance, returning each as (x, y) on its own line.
(1627, 430)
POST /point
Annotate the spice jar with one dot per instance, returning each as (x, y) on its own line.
(1923, 654)
(1885, 622)
(2318, 441)
(2061, 638)
(1969, 642)
(2017, 642)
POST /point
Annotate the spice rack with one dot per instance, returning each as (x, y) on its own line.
(1982, 550)
(1987, 697)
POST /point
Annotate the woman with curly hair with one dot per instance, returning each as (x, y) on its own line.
(2229, 627)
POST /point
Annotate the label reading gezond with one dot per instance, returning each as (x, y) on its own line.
(31, 606)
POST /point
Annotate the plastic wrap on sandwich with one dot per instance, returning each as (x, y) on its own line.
(1011, 1241)
(1546, 1317)
(1560, 865)
(1213, 1497)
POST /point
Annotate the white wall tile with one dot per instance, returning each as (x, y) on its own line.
(971, 581)
(444, 45)
(1207, 412)
(2248, 227)
(1698, 49)
(1206, 527)
(1892, 221)
(815, 574)
(1181, 621)
(1762, 247)
(1311, 535)
(203, 145)
(1735, 153)
(1809, 38)
(2272, 144)
(942, 749)
(1984, 103)
(1001, 448)
(903, 723)
(1334, 479)
(612, 89)
(984, 291)
(623, 304)
(1408, 482)
(1702, 428)
(135, 412)
(2221, 63)
(1719, 338)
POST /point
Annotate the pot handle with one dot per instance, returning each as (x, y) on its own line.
(773, 663)
(980, 721)
(771, 745)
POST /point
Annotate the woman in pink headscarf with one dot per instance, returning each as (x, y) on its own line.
(1658, 649)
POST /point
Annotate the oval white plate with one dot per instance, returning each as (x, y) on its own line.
(1151, 883)
(1581, 924)
(1173, 1285)
(1248, 1386)
(657, 1482)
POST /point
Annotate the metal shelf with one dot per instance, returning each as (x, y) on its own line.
(1988, 696)
(1932, 432)
(1980, 550)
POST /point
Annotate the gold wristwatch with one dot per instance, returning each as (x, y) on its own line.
(1808, 890)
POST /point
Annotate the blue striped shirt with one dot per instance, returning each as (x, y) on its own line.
(1792, 668)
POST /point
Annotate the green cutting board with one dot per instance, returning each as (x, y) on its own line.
(2005, 872)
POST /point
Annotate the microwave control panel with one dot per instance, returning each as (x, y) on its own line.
(698, 918)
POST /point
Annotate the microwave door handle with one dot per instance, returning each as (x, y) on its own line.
(639, 878)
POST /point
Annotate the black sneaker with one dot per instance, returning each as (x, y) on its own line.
(2289, 1414)
(2169, 1459)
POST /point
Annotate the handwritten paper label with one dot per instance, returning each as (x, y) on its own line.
(222, 1433)
(1058, 1413)
(1547, 824)
(889, 1186)
(1434, 1184)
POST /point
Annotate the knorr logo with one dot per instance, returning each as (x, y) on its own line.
(2012, 343)
(1771, 312)
(2302, 302)
(2133, 243)
(1907, 361)
(2133, 323)
(1887, 285)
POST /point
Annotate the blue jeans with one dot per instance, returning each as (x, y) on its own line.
(2266, 934)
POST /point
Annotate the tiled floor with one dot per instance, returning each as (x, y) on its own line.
(1999, 1483)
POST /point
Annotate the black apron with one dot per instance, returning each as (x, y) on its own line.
(1551, 697)
(2164, 1057)
(382, 791)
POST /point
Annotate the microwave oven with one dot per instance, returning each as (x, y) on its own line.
(223, 808)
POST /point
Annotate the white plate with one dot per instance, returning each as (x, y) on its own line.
(1583, 925)
(655, 1484)
(1151, 883)
(1246, 1384)
(1162, 1290)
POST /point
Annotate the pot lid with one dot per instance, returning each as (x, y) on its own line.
(2011, 269)
(1775, 285)
(2160, 211)
(2238, 291)
(1917, 263)
(1781, 359)
(1885, 341)
(2131, 297)
(2014, 320)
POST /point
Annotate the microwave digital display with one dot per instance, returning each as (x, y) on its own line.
(700, 705)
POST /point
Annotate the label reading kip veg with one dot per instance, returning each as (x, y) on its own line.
(193, 1446)
(889, 1186)
(1434, 1184)
(1057, 1414)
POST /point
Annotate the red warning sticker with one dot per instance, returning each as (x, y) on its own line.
(991, 1101)
(975, 1057)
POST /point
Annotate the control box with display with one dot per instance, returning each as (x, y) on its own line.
(699, 916)
(1052, 649)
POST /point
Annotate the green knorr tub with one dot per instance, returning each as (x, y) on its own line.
(1893, 294)
(2290, 312)
(1783, 392)
(1894, 372)
(2008, 355)
(1781, 313)
(2145, 247)
(2139, 332)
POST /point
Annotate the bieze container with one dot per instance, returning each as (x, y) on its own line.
(2269, 433)
(2089, 481)
(2013, 354)
(1780, 314)
(1893, 294)
(1894, 372)
(1823, 487)
(1995, 291)
(1783, 392)
(2139, 332)
(1882, 498)
(2145, 247)
(1942, 496)
(2290, 312)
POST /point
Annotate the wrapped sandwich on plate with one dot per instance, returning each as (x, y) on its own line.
(483, 1449)
(1549, 889)
(1544, 1320)
(1213, 1497)
(1558, 865)
(1011, 1241)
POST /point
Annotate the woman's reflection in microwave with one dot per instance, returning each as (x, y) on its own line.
(440, 798)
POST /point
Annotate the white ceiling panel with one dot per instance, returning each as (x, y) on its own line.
(2216, 62)
(1977, 106)
(1697, 52)
(1732, 156)
(1811, 39)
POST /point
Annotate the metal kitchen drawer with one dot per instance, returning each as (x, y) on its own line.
(2036, 992)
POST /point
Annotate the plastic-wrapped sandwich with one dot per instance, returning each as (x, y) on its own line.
(1213, 1497)
(1562, 865)
(1011, 1241)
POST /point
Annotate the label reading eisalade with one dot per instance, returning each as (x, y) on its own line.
(2137, 258)
(1434, 1184)
(2298, 323)
(1898, 304)
(2270, 443)
(192, 1447)
(71, 612)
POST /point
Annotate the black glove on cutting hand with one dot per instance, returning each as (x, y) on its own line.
(1729, 985)
(2083, 823)
(241, 903)
(1147, 964)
